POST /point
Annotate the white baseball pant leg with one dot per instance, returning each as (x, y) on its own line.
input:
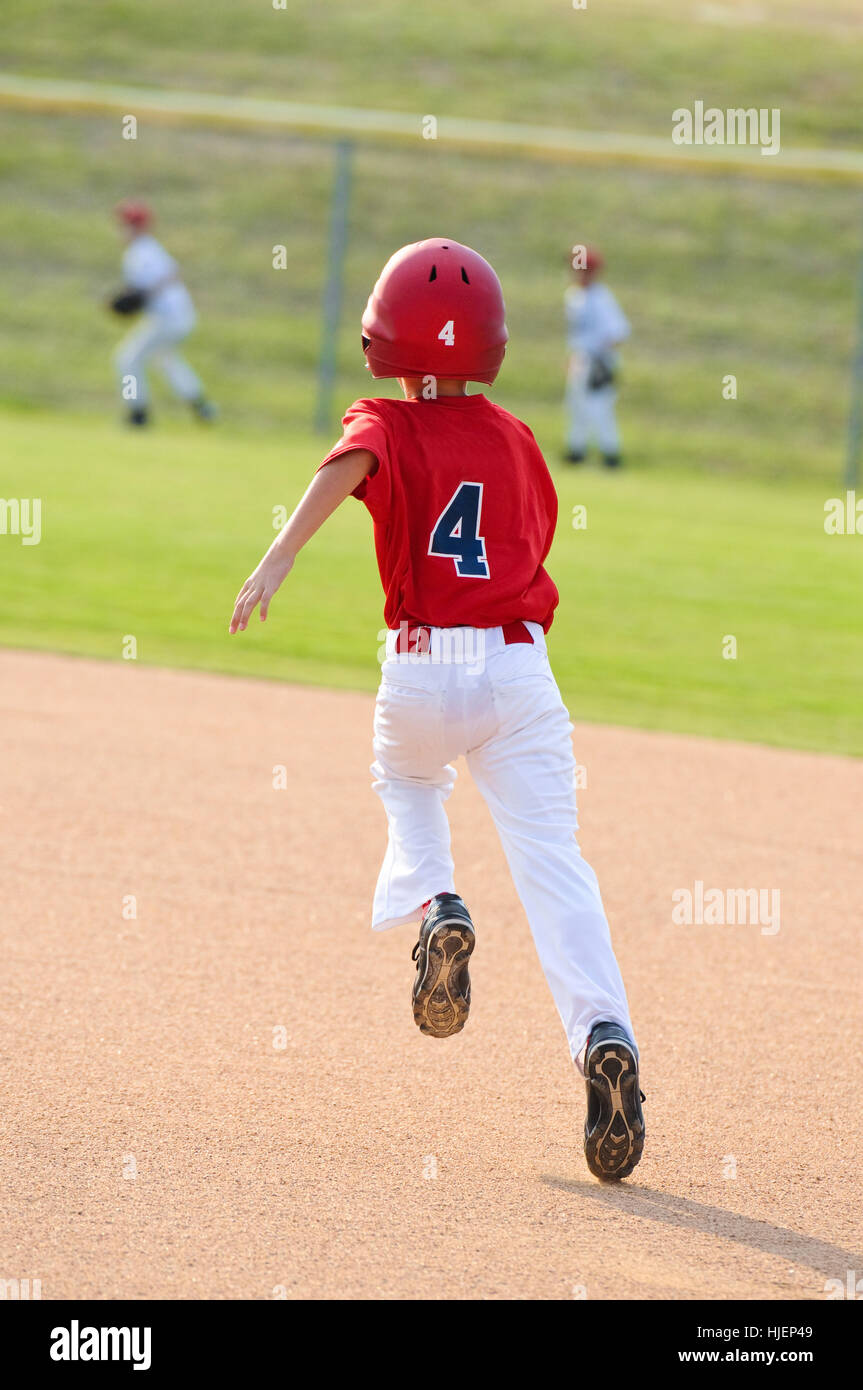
(156, 339)
(510, 722)
(591, 415)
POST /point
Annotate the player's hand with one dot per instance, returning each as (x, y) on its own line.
(259, 589)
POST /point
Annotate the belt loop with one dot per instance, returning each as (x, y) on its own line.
(413, 640)
(516, 632)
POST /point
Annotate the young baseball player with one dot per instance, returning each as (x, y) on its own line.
(151, 281)
(595, 327)
(464, 513)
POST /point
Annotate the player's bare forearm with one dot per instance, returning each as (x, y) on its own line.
(327, 490)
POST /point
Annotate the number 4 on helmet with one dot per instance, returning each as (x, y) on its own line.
(447, 333)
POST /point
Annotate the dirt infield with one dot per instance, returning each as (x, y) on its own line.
(225, 1096)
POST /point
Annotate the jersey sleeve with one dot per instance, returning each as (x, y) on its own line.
(363, 427)
(572, 317)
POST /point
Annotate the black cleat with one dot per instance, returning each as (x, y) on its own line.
(441, 991)
(573, 456)
(612, 460)
(614, 1128)
(204, 409)
(139, 415)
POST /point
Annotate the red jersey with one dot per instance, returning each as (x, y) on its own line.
(464, 511)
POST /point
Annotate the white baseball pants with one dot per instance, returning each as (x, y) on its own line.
(500, 707)
(156, 338)
(591, 417)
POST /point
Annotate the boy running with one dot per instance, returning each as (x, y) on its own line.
(464, 513)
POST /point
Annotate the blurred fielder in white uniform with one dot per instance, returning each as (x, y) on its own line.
(151, 282)
(595, 326)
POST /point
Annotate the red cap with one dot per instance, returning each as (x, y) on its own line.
(134, 213)
(587, 258)
(436, 310)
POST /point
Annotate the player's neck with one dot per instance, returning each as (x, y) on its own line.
(417, 387)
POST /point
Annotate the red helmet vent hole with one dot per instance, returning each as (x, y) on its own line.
(433, 274)
(464, 276)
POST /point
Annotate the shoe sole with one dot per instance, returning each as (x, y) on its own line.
(441, 999)
(615, 1143)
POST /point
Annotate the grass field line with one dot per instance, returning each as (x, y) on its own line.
(547, 141)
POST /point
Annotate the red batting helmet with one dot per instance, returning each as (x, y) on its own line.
(134, 213)
(436, 310)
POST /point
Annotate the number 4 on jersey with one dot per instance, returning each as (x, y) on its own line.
(456, 533)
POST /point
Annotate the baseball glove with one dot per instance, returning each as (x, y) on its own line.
(128, 302)
(599, 374)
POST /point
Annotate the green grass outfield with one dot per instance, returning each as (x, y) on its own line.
(612, 65)
(151, 534)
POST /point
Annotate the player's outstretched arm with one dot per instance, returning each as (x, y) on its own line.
(327, 490)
